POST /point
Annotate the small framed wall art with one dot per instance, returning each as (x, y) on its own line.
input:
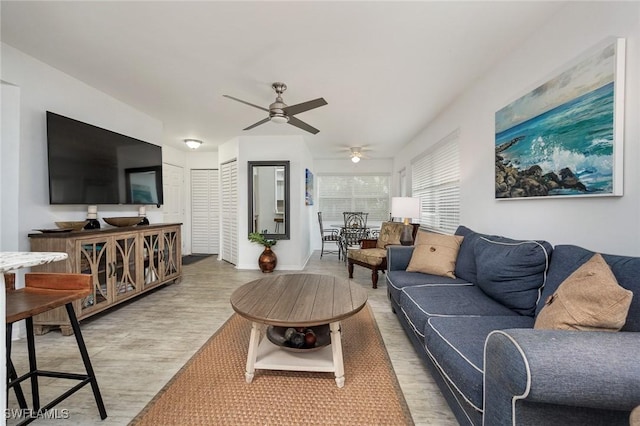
(308, 187)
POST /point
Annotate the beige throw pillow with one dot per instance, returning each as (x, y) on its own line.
(590, 299)
(435, 254)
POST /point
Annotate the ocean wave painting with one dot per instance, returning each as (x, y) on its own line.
(564, 137)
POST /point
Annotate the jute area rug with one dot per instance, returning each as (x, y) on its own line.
(211, 388)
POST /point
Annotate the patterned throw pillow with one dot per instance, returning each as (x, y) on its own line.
(389, 234)
(435, 254)
(590, 299)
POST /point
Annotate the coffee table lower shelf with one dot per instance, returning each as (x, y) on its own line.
(265, 355)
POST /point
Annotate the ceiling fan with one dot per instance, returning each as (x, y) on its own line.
(279, 112)
(356, 153)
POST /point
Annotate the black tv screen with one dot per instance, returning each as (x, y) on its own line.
(90, 165)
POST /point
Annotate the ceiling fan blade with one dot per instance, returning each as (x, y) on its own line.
(245, 102)
(302, 125)
(304, 106)
(257, 124)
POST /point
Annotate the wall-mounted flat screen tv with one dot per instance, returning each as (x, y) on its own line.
(90, 165)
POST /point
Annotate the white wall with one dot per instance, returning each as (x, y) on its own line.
(606, 224)
(9, 171)
(44, 88)
(295, 252)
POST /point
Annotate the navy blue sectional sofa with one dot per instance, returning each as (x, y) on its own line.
(475, 334)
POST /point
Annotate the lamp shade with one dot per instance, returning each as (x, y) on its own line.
(405, 207)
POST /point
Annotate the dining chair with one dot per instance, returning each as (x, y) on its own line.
(329, 236)
(354, 230)
(355, 219)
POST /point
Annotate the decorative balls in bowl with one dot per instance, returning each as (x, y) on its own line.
(73, 225)
(123, 221)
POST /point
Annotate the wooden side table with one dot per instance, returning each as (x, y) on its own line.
(43, 292)
(297, 300)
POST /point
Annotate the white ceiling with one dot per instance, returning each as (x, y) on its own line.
(386, 69)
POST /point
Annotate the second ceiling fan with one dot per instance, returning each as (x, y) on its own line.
(279, 112)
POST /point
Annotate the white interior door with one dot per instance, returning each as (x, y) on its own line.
(172, 184)
(205, 211)
(229, 211)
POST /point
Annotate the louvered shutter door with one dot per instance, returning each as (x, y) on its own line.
(229, 213)
(205, 211)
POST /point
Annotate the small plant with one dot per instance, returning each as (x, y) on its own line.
(259, 238)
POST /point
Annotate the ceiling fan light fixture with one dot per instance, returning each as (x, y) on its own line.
(193, 143)
(280, 119)
(355, 154)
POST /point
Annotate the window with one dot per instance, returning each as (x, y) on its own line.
(435, 178)
(360, 193)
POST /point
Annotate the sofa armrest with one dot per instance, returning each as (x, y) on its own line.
(569, 368)
(398, 257)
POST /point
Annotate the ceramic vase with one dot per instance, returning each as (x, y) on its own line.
(267, 260)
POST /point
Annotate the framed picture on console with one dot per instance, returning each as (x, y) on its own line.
(564, 138)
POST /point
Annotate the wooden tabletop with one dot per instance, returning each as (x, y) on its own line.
(302, 300)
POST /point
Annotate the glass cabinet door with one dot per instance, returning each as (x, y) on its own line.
(151, 256)
(171, 251)
(94, 260)
(125, 266)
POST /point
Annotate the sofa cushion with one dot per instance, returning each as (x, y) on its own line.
(466, 261)
(397, 280)
(568, 258)
(435, 254)
(419, 303)
(512, 272)
(372, 256)
(456, 346)
(389, 234)
(590, 299)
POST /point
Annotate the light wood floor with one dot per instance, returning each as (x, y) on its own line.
(137, 347)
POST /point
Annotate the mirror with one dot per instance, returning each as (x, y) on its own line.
(269, 198)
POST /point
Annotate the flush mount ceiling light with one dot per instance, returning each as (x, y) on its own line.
(193, 143)
(355, 154)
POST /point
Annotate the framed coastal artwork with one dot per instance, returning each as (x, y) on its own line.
(308, 187)
(565, 137)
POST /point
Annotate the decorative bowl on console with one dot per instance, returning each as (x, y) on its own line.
(123, 221)
(72, 225)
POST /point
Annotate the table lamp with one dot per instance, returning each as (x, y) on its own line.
(406, 208)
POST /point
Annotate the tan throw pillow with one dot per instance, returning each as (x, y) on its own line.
(435, 254)
(590, 299)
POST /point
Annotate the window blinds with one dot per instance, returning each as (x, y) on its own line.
(361, 193)
(435, 178)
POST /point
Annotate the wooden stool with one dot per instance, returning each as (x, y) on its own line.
(43, 292)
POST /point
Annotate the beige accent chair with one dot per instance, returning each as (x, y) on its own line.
(372, 253)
